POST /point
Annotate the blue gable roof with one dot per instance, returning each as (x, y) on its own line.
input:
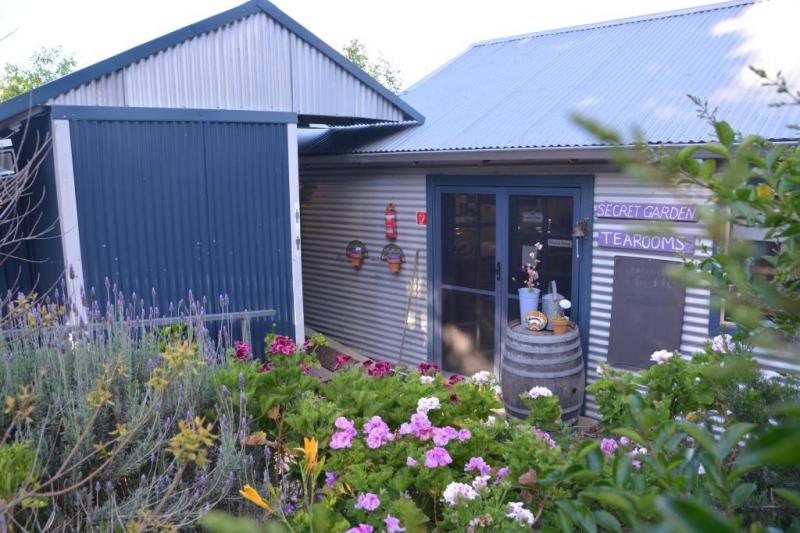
(39, 96)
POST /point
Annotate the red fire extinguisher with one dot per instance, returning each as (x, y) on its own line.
(390, 220)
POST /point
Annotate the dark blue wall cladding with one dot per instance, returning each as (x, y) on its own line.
(38, 264)
(187, 205)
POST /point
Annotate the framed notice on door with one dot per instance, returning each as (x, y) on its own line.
(646, 311)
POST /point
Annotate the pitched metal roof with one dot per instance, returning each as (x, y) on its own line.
(521, 92)
(46, 93)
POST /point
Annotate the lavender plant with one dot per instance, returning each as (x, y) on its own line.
(104, 423)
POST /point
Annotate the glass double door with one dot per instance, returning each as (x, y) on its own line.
(486, 235)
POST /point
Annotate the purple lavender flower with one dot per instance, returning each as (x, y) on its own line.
(367, 501)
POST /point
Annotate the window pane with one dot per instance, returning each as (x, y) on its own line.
(468, 240)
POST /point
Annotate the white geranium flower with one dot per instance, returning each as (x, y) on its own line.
(480, 482)
(426, 380)
(490, 420)
(722, 343)
(427, 404)
(661, 356)
(599, 370)
(538, 392)
(520, 514)
(454, 492)
(483, 377)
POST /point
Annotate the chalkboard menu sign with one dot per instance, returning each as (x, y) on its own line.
(646, 311)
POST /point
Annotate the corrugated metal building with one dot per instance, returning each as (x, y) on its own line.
(177, 166)
(499, 129)
(173, 165)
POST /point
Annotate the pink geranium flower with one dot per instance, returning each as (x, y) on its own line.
(437, 457)
(367, 501)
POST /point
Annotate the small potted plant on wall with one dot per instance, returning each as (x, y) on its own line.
(529, 279)
(356, 251)
(394, 256)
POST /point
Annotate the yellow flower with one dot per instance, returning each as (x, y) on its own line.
(310, 448)
(251, 494)
(764, 191)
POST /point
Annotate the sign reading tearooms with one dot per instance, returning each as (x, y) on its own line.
(635, 211)
(651, 243)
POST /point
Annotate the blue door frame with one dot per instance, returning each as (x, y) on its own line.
(580, 188)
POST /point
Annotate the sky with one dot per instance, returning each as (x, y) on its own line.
(415, 36)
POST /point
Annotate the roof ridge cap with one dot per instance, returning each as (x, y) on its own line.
(618, 22)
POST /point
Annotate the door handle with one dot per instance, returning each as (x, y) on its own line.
(497, 271)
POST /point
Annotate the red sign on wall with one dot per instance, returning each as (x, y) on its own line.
(422, 218)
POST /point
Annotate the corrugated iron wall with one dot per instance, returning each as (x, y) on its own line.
(612, 187)
(180, 206)
(365, 308)
(254, 64)
(362, 310)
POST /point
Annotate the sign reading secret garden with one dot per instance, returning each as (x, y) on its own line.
(632, 240)
(672, 212)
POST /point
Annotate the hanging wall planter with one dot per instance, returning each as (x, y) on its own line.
(394, 256)
(356, 251)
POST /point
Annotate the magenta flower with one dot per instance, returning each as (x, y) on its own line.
(437, 457)
(305, 368)
(266, 367)
(455, 378)
(393, 525)
(608, 446)
(379, 369)
(282, 345)
(477, 463)
(367, 501)
(428, 368)
(308, 345)
(243, 351)
(341, 361)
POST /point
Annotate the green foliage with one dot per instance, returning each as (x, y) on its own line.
(545, 411)
(379, 68)
(16, 463)
(46, 64)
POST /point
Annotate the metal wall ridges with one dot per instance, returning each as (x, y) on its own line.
(364, 308)
(180, 206)
(251, 64)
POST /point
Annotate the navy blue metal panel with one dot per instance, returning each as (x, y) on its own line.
(180, 206)
(36, 265)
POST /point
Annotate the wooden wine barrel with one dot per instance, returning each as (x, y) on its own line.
(541, 358)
